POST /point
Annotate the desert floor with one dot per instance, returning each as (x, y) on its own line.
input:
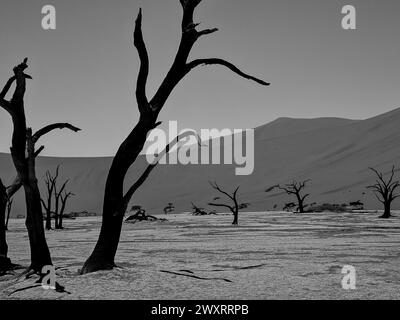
(270, 255)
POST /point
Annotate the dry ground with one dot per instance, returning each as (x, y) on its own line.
(271, 255)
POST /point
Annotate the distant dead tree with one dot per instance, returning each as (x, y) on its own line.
(23, 155)
(295, 188)
(385, 190)
(64, 198)
(169, 208)
(115, 201)
(50, 182)
(289, 206)
(234, 208)
(244, 205)
(58, 196)
(140, 215)
(197, 211)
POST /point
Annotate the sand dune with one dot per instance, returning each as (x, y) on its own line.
(335, 153)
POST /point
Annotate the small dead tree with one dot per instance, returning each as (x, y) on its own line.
(169, 208)
(64, 198)
(60, 198)
(23, 155)
(289, 206)
(57, 198)
(233, 197)
(50, 182)
(198, 211)
(295, 188)
(385, 190)
(114, 205)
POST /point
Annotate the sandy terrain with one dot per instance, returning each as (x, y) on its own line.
(271, 255)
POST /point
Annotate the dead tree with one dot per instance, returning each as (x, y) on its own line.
(233, 197)
(295, 188)
(169, 208)
(114, 205)
(64, 198)
(50, 182)
(289, 206)
(57, 198)
(385, 190)
(23, 155)
(198, 211)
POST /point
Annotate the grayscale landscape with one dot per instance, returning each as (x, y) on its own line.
(271, 255)
(199, 150)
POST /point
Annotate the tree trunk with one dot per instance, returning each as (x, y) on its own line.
(235, 218)
(9, 204)
(22, 143)
(40, 254)
(300, 202)
(60, 222)
(103, 255)
(5, 262)
(386, 212)
(48, 220)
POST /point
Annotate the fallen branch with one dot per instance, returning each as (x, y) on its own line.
(193, 276)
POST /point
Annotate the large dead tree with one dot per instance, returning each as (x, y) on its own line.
(295, 188)
(114, 205)
(234, 208)
(23, 155)
(385, 190)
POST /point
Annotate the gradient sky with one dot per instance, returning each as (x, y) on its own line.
(85, 71)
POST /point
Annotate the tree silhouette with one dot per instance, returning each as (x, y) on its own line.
(50, 182)
(169, 208)
(197, 211)
(59, 196)
(385, 190)
(23, 155)
(64, 198)
(289, 206)
(115, 202)
(233, 197)
(295, 188)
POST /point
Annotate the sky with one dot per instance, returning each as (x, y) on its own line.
(84, 72)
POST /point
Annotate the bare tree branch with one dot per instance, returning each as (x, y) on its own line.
(150, 168)
(140, 45)
(52, 127)
(222, 62)
(206, 32)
